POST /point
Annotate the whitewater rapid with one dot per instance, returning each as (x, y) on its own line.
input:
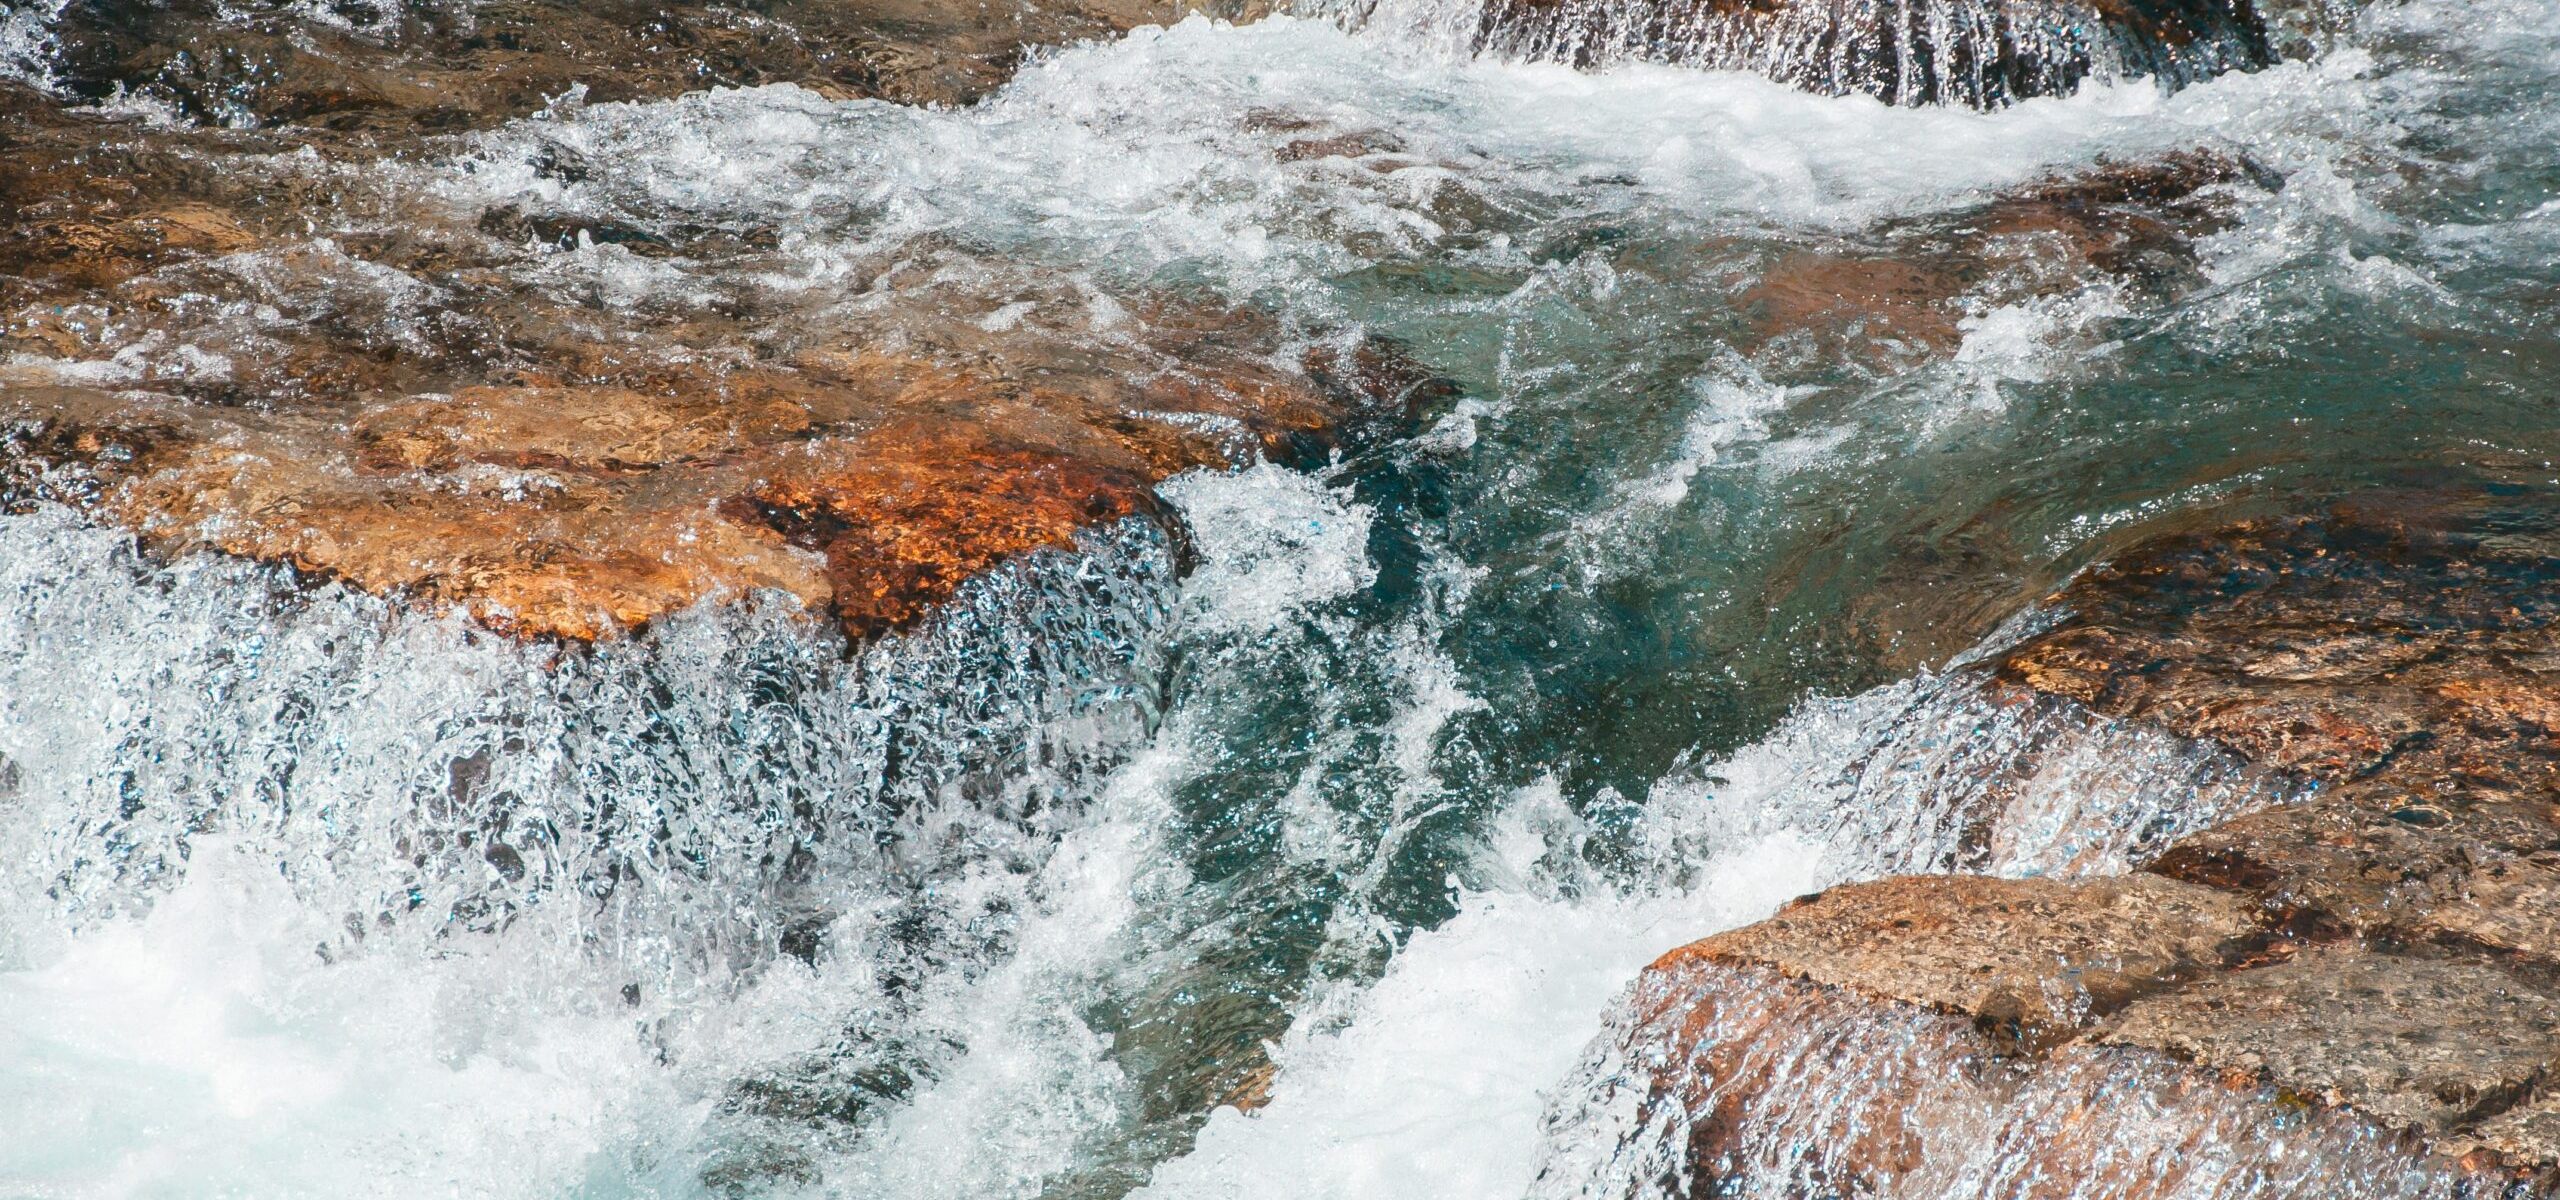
(247, 949)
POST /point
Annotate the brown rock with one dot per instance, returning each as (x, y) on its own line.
(1746, 1083)
(1910, 307)
(423, 409)
(908, 514)
(424, 68)
(1898, 296)
(2525, 1135)
(2398, 970)
(1252, 1092)
(2508, 905)
(2030, 960)
(872, 486)
(2378, 640)
(2377, 860)
(2414, 1042)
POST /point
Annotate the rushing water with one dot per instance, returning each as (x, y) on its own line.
(1395, 789)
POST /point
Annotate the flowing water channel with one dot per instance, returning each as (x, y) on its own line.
(1394, 789)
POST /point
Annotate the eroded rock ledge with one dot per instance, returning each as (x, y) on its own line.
(2385, 953)
(868, 475)
(309, 347)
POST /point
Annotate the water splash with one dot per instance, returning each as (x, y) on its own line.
(1979, 53)
(565, 841)
(27, 41)
(1380, 1092)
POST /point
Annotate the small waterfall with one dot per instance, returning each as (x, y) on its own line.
(1979, 53)
(1945, 773)
(661, 814)
(1394, 1095)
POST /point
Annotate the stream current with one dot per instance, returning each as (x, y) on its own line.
(1394, 789)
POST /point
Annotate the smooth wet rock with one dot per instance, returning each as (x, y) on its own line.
(433, 67)
(2527, 1134)
(2376, 860)
(2416, 1042)
(2380, 943)
(1902, 293)
(865, 484)
(2029, 960)
(1981, 53)
(1732, 1080)
(2389, 640)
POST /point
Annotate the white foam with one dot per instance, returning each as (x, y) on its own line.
(1431, 1082)
(27, 42)
(208, 1049)
(1272, 541)
(1154, 156)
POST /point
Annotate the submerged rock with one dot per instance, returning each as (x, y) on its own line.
(1901, 294)
(1982, 53)
(2386, 950)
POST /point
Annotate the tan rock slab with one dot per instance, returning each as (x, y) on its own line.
(2029, 960)
(2407, 637)
(2528, 1134)
(2379, 860)
(2430, 1044)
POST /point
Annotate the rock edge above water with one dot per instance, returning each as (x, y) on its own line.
(2384, 949)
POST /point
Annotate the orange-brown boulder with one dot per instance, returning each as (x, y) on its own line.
(2382, 952)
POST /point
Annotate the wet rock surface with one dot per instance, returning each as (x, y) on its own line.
(1903, 293)
(2381, 948)
(320, 347)
(2415, 648)
(448, 66)
(2423, 1042)
(1902, 51)
(857, 479)
(2031, 960)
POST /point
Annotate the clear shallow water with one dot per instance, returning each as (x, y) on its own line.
(1398, 787)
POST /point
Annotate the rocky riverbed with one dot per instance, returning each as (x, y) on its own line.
(1087, 599)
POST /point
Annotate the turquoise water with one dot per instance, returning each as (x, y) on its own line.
(1429, 752)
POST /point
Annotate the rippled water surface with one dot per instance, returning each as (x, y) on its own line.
(1427, 753)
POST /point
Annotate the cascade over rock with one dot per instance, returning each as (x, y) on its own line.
(2381, 951)
(425, 414)
(1980, 53)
